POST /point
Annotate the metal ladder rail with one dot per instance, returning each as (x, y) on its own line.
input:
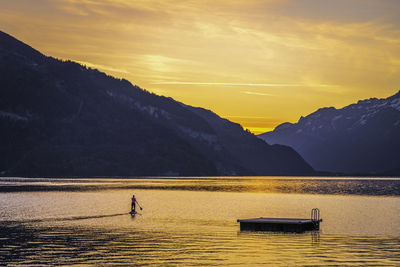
(315, 217)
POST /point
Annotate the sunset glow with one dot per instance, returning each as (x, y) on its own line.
(259, 62)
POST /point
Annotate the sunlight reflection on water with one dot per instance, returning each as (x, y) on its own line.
(85, 221)
(307, 185)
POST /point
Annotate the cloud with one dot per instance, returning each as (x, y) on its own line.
(245, 84)
(257, 93)
(310, 53)
(161, 63)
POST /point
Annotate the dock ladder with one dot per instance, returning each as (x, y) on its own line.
(315, 218)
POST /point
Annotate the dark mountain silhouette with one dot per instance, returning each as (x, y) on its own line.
(59, 118)
(359, 138)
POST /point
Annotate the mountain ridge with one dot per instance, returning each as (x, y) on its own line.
(358, 138)
(59, 118)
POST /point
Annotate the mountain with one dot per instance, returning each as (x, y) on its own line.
(59, 118)
(359, 138)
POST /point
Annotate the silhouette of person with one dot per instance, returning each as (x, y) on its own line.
(133, 204)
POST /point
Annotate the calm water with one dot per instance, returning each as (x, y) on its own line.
(192, 221)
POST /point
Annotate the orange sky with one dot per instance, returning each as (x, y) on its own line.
(256, 62)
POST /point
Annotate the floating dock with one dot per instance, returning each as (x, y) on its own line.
(282, 224)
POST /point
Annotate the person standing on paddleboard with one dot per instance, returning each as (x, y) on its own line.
(133, 204)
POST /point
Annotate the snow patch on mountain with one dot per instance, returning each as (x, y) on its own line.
(395, 104)
(355, 115)
(210, 138)
(153, 111)
(13, 116)
(337, 117)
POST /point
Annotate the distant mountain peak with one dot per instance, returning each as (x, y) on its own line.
(284, 125)
(361, 137)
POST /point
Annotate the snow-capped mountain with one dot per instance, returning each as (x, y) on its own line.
(59, 118)
(359, 138)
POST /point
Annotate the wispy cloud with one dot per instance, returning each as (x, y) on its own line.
(246, 84)
(257, 93)
(310, 53)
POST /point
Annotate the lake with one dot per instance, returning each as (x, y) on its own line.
(192, 221)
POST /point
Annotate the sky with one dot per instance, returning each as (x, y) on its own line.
(256, 62)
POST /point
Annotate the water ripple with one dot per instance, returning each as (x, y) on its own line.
(26, 245)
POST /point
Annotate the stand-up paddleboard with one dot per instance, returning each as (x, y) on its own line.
(132, 213)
